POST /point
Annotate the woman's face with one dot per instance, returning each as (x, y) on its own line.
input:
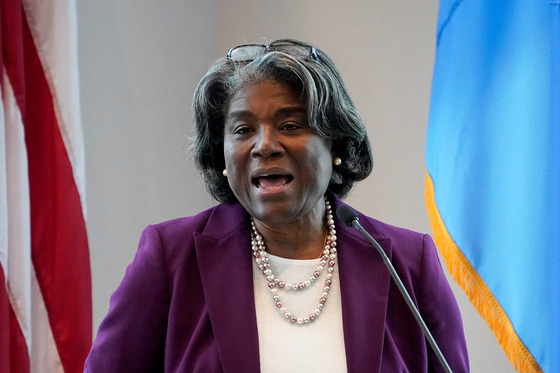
(278, 167)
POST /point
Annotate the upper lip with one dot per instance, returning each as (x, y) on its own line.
(260, 172)
(269, 171)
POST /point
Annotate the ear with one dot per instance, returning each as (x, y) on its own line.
(333, 147)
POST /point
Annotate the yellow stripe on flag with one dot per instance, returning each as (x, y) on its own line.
(477, 291)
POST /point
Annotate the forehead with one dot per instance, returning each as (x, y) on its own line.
(266, 95)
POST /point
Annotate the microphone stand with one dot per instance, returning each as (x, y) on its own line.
(354, 222)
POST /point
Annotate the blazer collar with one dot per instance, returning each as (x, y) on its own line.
(225, 245)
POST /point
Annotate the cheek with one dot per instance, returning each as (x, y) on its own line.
(320, 157)
(235, 160)
(229, 154)
(323, 153)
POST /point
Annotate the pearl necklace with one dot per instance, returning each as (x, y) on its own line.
(328, 258)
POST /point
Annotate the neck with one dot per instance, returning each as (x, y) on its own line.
(301, 239)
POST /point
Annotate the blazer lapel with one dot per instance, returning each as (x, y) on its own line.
(225, 262)
(364, 282)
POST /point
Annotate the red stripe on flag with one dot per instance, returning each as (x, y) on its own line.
(58, 234)
(13, 349)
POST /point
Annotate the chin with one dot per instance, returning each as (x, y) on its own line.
(272, 212)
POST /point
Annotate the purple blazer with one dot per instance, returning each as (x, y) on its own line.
(186, 303)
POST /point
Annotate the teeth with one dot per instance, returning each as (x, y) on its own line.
(271, 181)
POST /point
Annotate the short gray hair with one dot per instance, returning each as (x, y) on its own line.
(330, 110)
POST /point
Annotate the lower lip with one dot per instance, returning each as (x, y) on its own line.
(272, 191)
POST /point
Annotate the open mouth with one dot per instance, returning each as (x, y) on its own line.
(272, 181)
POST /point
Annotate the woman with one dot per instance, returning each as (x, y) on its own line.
(269, 280)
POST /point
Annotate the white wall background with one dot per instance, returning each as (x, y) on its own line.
(140, 61)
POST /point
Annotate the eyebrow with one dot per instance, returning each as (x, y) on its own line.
(282, 112)
(291, 110)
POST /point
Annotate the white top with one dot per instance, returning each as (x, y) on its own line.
(286, 347)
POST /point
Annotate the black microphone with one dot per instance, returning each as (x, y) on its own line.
(350, 218)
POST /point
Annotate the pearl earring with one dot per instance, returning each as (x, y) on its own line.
(224, 172)
(337, 161)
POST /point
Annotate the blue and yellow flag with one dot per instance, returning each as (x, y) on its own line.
(493, 163)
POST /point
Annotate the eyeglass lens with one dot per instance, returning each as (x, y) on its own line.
(249, 52)
(246, 52)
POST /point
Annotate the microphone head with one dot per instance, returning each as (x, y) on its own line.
(346, 214)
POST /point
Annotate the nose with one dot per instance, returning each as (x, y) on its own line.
(267, 143)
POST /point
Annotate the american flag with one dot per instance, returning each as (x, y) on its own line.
(45, 296)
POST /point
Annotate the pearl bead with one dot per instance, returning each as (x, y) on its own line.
(328, 257)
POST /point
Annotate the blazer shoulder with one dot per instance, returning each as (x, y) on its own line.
(215, 222)
(194, 223)
(408, 245)
(397, 234)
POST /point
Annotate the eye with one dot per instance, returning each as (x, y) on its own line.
(290, 126)
(241, 130)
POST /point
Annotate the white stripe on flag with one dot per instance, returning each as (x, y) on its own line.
(16, 255)
(44, 354)
(3, 185)
(15, 241)
(54, 29)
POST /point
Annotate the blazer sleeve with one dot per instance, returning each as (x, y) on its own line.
(441, 313)
(131, 338)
